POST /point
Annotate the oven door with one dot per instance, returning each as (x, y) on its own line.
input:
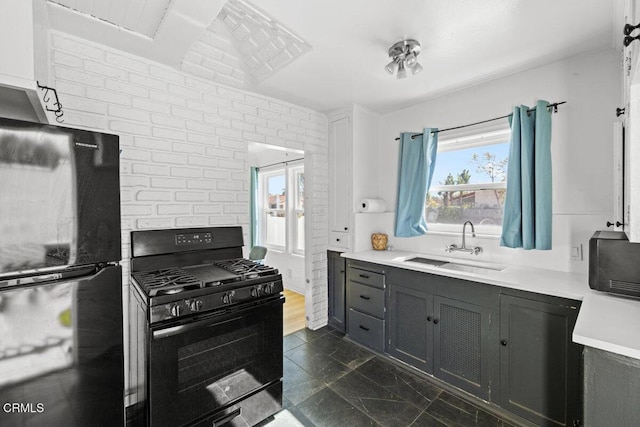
(213, 362)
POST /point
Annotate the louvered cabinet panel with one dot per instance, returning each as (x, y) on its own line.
(462, 345)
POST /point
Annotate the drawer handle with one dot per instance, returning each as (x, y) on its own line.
(337, 240)
(504, 343)
(364, 276)
(364, 328)
(365, 297)
(436, 321)
(429, 318)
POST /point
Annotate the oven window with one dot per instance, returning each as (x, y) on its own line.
(214, 363)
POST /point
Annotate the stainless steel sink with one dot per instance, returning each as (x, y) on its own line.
(457, 266)
(471, 268)
(428, 261)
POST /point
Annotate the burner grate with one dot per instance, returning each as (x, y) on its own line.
(246, 268)
(167, 281)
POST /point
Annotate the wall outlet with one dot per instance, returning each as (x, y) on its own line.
(576, 252)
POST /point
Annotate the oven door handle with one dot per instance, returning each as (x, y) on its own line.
(226, 418)
(214, 321)
(183, 329)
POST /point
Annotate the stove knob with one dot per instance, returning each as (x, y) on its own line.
(195, 305)
(176, 310)
(268, 288)
(227, 298)
(255, 291)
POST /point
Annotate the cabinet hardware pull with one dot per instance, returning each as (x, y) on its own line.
(436, 321)
(628, 29)
(620, 111)
(365, 297)
(429, 318)
(617, 224)
(346, 228)
(337, 240)
(364, 328)
(364, 276)
(628, 40)
(503, 343)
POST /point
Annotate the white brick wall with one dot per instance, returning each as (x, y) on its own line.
(184, 144)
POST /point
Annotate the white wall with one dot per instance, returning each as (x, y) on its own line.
(581, 152)
(184, 141)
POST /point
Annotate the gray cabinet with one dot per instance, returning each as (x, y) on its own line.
(409, 328)
(366, 304)
(443, 326)
(336, 269)
(463, 344)
(540, 366)
(611, 389)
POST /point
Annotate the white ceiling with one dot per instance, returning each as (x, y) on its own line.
(464, 42)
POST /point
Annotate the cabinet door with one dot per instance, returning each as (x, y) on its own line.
(336, 281)
(410, 329)
(462, 345)
(539, 364)
(340, 206)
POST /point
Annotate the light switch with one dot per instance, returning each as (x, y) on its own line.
(576, 252)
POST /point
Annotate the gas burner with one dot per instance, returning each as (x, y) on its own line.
(167, 281)
(246, 268)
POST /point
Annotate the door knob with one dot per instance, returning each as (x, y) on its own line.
(503, 343)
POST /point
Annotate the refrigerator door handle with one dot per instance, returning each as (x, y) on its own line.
(51, 276)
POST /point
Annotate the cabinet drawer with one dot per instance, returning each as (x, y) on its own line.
(339, 240)
(366, 330)
(366, 299)
(365, 277)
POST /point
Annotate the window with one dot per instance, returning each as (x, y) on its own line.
(281, 218)
(469, 183)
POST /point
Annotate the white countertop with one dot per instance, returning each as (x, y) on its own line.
(610, 323)
(605, 322)
(547, 282)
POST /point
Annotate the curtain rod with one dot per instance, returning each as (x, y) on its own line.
(553, 106)
(280, 163)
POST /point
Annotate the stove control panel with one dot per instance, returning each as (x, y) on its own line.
(205, 303)
(193, 238)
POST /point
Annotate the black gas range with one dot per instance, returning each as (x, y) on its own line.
(206, 329)
(177, 292)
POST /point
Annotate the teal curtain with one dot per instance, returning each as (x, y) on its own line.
(415, 170)
(253, 206)
(527, 211)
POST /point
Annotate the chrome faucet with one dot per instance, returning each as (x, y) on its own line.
(475, 250)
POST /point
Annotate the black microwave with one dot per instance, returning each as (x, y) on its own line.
(614, 264)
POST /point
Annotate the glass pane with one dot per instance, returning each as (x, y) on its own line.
(275, 227)
(299, 191)
(472, 165)
(482, 207)
(300, 232)
(276, 192)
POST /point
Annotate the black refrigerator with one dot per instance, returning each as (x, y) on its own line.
(61, 322)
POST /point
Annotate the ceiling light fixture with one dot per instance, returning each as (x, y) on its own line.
(404, 54)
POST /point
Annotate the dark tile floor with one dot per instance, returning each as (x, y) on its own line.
(329, 381)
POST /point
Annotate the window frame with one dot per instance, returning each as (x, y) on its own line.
(489, 135)
(290, 170)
